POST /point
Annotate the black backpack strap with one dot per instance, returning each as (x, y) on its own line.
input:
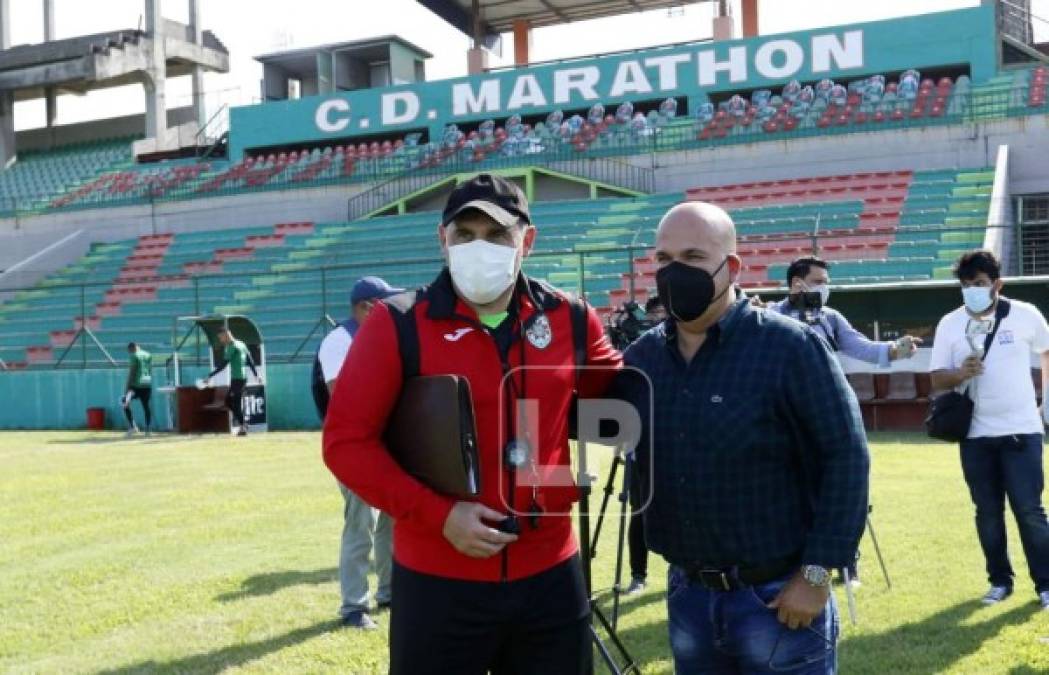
(1000, 313)
(580, 320)
(402, 311)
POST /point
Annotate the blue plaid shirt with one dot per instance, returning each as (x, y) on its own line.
(759, 452)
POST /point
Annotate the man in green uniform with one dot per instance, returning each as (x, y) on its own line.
(139, 385)
(236, 356)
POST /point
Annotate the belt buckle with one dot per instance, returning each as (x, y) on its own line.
(720, 578)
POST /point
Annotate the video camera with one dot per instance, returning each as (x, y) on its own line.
(809, 304)
(626, 324)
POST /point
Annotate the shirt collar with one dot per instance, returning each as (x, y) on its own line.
(529, 296)
(726, 325)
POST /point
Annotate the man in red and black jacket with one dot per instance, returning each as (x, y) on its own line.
(475, 592)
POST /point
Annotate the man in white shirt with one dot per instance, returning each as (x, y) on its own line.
(363, 525)
(1002, 456)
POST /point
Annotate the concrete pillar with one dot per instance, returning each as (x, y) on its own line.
(155, 82)
(7, 98)
(50, 99)
(476, 61)
(5, 24)
(750, 18)
(522, 42)
(197, 26)
(477, 57)
(724, 28)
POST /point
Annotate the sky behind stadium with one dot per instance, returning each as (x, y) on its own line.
(253, 27)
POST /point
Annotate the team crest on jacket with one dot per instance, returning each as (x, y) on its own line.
(539, 334)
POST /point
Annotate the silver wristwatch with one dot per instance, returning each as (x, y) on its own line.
(818, 577)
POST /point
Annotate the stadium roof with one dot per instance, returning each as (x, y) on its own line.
(499, 15)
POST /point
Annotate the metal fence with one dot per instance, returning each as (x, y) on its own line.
(295, 308)
(420, 166)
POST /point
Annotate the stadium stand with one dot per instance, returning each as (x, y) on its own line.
(32, 182)
(876, 227)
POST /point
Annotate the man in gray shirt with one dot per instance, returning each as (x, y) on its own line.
(809, 282)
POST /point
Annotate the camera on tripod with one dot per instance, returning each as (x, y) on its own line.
(627, 323)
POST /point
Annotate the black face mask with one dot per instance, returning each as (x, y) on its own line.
(687, 292)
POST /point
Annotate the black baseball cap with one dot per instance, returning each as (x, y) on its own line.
(494, 196)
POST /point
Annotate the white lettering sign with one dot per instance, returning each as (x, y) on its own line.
(526, 92)
(465, 102)
(793, 57)
(709, 66)
(847, 53)
(325, 119)
(630, 79)
(409, 103)
(582, 80)
(667, 69)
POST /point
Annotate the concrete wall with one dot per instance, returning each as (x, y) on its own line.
(59, 399)
(114, 127)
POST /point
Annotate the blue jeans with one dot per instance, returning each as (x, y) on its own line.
(733, 633)
(1008, 466)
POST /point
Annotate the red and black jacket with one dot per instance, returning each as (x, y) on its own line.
(453, 341)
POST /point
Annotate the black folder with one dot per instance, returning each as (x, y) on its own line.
(432, 434)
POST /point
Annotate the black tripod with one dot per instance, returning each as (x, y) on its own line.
(585, 482)
(623, 498)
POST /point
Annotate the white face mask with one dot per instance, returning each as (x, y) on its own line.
(482, 270)
(822, 289)
(977, 299)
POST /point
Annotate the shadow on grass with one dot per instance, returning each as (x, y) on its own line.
(228, 657)
(118, 437)
(628, 604)
(270, 583)
(931, 645)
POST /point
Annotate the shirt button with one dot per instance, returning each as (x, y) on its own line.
(681, 435)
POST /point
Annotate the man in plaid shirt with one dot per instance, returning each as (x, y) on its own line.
(758, 475)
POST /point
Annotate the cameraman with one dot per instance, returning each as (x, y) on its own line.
(809, 282)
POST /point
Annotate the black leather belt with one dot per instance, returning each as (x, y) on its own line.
(737, 578)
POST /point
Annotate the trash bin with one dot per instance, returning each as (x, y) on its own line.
(96, 419)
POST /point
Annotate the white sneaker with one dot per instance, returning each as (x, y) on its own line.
(855, 584)
(132, 430)
(996, 594)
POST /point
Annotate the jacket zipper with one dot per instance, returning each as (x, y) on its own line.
(504, 366)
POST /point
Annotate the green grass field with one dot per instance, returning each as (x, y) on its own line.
(200, 555)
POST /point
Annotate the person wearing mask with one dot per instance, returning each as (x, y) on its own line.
(494, 583)
(984, 347)
(809, 279)
(364, 528)
(756, 491)
(139, 386)
(235, 356)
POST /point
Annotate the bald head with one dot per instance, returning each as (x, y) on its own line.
(694, 232)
